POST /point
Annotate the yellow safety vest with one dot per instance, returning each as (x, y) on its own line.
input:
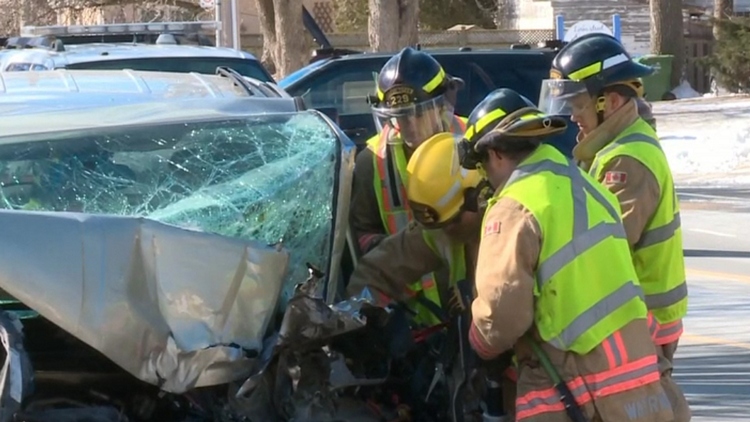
(658, 255)
(586, 287)
(389, 165)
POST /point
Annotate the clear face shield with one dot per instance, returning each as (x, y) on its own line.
(413, 123)
(563, 97)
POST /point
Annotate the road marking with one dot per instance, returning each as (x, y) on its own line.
(701, 195)
(714, 274)
(716, 341)
(712, 232)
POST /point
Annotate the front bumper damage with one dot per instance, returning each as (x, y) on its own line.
(175, 308)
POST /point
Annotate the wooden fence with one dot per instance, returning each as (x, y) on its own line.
(697, 44)
(475, 38)
(696, 72)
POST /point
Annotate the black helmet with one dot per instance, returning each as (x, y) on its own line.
(597, 60)
(507, 121)
(415, 70)
(593, 64)
(411, 99)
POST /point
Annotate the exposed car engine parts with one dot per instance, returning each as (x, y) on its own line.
(352, 361)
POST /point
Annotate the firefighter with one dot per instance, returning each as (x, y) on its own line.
(447, 203)
(443, 237)
(555, 281)
(414, 102)
(623, 152)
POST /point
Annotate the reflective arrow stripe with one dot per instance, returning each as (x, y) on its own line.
(584, 238)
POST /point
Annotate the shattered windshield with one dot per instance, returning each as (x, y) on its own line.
(268, 178)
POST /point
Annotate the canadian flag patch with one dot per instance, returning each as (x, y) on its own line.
(615, 177)
(492, 228)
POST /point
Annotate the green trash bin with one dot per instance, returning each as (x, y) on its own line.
(658, 83)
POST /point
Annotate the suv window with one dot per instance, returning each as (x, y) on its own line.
(342, 93)
(484, 73)
(523, 74)
(345, 89)
(478, 85)
(204, 65)
(24, 67)
(340, 90)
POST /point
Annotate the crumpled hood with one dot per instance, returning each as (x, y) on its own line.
(174, 307)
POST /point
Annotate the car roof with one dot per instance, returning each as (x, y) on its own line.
(121, 81)
(82, 53)
(24, 92)
(140, 114)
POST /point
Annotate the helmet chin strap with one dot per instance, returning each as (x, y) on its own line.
(600, 106)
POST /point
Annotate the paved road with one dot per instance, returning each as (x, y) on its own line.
(713, 361)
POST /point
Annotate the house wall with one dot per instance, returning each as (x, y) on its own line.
(534, 15)
(635, 18)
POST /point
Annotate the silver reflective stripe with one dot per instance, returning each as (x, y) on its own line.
(669, 330)
(596, 313)
(549, 401)
(393, 186)
(615, 349)
(596, 386)
(629, 139)
(583, 237)
(662, 300)
(659, 234)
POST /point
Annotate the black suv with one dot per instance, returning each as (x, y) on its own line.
(339, 86)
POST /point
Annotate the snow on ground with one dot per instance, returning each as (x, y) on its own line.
(706, 139)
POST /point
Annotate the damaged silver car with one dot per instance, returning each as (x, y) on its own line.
(149, 245)
(179, 260)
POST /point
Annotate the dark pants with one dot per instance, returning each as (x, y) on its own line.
(680, 406)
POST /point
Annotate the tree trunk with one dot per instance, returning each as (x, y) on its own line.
(667, 36)
(393, 24)
(291, 39)
(267, 20)
(723, 9)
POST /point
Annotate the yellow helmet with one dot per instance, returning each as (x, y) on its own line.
(437, 185)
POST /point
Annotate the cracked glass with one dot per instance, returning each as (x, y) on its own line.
(268, 178)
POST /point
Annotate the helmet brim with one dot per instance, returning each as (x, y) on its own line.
(537, 129)
(633, 70)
